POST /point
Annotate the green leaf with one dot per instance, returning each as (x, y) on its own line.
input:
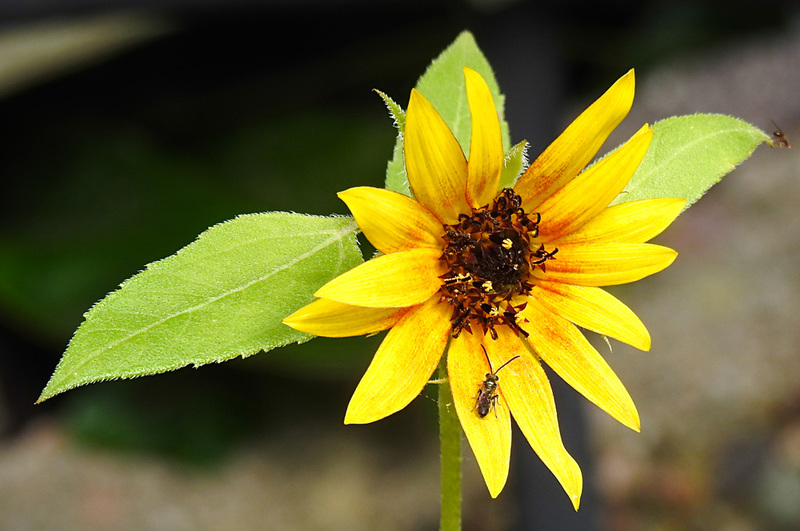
(443, 85)
(690, 154)
(220, 297)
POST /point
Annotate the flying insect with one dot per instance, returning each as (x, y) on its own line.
(780, 138)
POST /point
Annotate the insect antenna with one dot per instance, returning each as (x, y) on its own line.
(487, 358)
(506, 363)
(490, 361)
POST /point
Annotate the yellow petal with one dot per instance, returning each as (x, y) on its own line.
(402, 365)
(329, 318)
(525, 387)
(632, 222)
(435, 164)
(608, 264)
(593, 309)
(394, 280)
(489, 436)
(577, 145)
(564, 348)
(589, 193)
(486, 142)
(392, 222)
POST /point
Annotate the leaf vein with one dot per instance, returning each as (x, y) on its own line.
(335, 236)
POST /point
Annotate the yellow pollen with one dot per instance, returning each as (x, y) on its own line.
(507, 243)
(487, 286)
(458, 278)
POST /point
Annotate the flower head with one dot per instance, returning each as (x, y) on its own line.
(499, 275)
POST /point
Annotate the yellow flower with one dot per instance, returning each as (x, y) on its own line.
(499, 274)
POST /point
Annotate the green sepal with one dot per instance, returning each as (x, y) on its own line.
(396, 169)
(513, 163)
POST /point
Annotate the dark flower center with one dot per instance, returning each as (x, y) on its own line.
(490, 259)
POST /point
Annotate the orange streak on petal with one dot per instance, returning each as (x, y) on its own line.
(564, 348)
(608, 264)
(392, 222)
(577, 145)
(486, 143)
(394, 280)
(490, 436)
(589, 193)
(593, 309)
(632, 222)
(526, 389)
(402, 365)
(435, 164)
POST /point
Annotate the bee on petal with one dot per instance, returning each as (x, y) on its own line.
(486, 398)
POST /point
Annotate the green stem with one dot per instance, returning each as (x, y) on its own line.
(450, 440)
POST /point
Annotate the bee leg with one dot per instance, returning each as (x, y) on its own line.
(494, 405)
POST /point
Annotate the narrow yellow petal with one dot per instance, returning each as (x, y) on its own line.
(329, 318)
(564, 348)
(609, 264)
(402, 365)
(486, 142)
(394, 280)
(632, 222)
(435, 164)
(392, 222)
(577, 145)
(589, 193)
(489, 436)
(526, 389)
(593, 309)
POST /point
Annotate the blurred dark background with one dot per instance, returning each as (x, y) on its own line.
(127, 128)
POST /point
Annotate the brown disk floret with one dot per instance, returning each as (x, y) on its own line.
(490, 261)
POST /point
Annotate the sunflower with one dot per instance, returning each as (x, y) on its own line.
(494, 277)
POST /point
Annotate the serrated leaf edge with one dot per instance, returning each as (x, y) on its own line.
(350, 228)
(706, 138)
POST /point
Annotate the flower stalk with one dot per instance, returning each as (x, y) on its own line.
(450, 441)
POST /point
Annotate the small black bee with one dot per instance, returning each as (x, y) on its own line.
(486, 398)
